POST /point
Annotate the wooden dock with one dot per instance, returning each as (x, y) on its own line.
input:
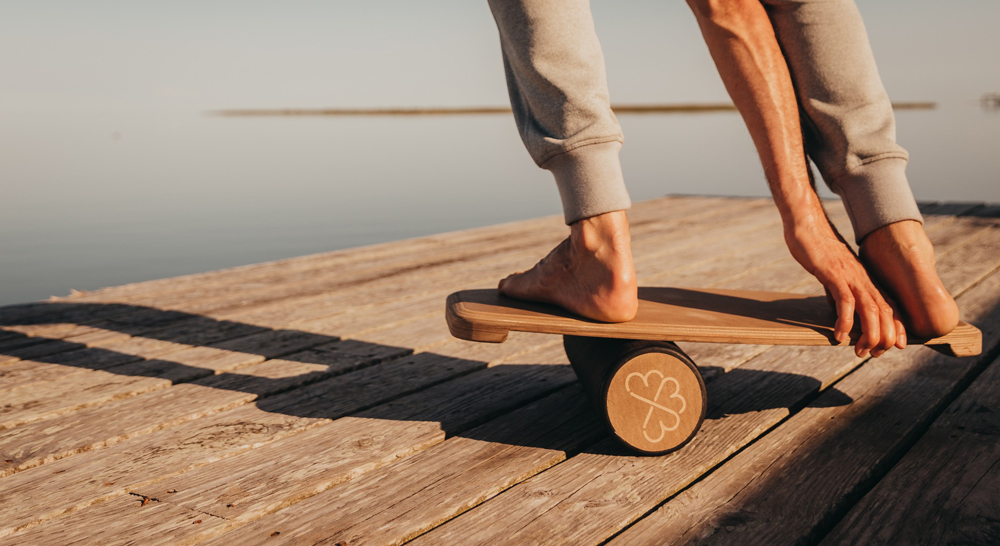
(321, 400)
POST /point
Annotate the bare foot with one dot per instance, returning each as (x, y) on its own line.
(591, 273)
(901, 259)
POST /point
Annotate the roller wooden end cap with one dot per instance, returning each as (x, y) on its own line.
(655, 403)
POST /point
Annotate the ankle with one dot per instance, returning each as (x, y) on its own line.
(600, 233)
(907, 235)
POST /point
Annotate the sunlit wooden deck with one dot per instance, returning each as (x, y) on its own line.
(322, 400)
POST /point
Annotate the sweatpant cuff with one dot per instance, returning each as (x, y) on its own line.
(590, 180)
(876, 195)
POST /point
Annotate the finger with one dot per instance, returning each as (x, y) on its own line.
(887, 327)
(868, 312)
(845, 314)
(898, 324)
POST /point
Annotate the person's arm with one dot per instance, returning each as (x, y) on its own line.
(742, 43)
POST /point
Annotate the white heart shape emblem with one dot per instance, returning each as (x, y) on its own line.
(654, 402)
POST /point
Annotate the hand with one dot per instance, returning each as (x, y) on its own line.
(822, 253)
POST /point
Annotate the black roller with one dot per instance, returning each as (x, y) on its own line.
(650, 393)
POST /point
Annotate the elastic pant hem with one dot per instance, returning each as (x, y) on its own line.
(590, 180)
(875, 195)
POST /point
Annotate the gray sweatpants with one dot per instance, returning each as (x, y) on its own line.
(559, 94)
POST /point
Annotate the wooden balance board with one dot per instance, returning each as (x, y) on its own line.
(649, 392)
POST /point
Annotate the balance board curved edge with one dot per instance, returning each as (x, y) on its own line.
(679, 314)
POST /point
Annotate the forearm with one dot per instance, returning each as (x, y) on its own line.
(742, 43)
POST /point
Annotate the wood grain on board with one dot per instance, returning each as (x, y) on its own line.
(677, 314)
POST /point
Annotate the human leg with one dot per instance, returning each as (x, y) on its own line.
(850, 134)
(742, 42)
(558, 91)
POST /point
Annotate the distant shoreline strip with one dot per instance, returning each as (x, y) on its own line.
(618, 109)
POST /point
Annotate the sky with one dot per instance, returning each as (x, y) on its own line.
(111, 171)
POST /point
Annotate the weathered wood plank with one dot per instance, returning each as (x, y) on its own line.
(594, 493)
(416, 277)
(63, 366)
(948, 209)
(109, 523)
(42, 442)
(52, 394)
(61, 312)
(389, 505)
(643, 482)
(94, 476)
(54, 330)
(249, 486)
(944, 490)
(142, 317)
(94, 337)
(413, 328)
(119, 327)
(739, 256)
(51, 399)
(427, 331)
(23, 347)
(944, 230)
(79, 389)
(958, 271)
(789, 486)
(677, 251)
(176, 336)
(359, 317)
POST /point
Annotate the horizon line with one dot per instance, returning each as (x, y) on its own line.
(680, 108)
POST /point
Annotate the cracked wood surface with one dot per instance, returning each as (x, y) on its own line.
(321, 400)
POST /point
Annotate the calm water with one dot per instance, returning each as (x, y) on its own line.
(109, 197)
